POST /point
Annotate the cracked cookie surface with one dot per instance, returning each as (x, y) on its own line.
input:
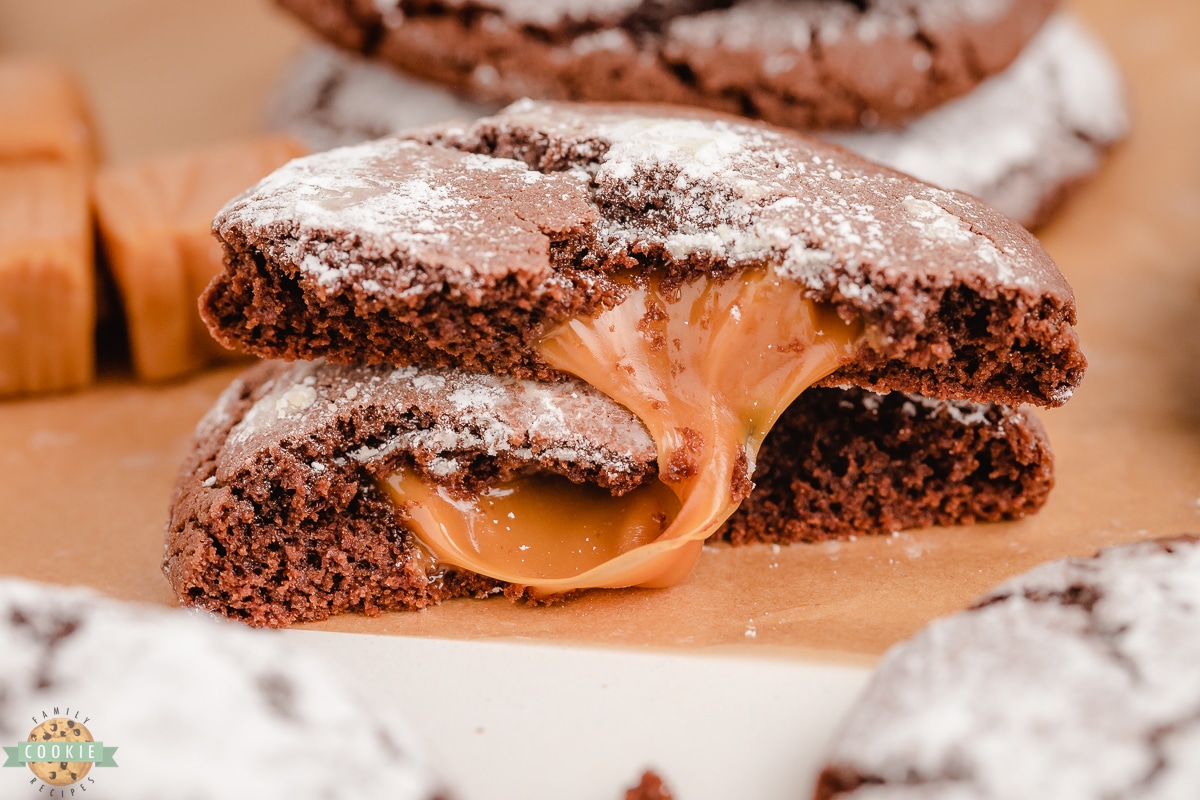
(1076, 679)
(801, 63)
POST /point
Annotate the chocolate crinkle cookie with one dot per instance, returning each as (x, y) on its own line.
(1077, 679)
(196, 706)
(801, 63)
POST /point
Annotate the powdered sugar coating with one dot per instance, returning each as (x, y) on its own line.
(337, 215)
(683, 181)
(182, 696)
(1020, 136)
(451, 414)
(813, 64)
(796, 26)
(1075, 680)
(463, 245)
(328, 98)
(542, 13)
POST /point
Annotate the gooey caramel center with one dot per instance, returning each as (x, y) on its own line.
(708, 367)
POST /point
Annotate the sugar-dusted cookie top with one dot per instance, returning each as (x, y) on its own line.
(461, 245)
(1076, 679)
(1022, 140)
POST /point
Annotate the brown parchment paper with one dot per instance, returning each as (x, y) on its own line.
(85, 478)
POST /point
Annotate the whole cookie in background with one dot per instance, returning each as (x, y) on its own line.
(1077, 679)
(801, 63)
(1020, 142)
(187, 701)
(328, 98)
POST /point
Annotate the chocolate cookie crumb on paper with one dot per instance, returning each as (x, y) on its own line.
(650, 787)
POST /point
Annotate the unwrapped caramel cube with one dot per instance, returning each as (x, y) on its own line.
(43, 115)
(47, 283)
(156, 228)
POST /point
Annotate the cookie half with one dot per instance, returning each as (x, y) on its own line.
(1076, 679)
(282, 513)
(181, 696)
(800, 63)
(464, 246)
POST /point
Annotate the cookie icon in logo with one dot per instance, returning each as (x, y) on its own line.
(60, 730)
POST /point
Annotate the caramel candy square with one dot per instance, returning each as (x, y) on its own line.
(47, 295)
(43, 115)
(155, 221)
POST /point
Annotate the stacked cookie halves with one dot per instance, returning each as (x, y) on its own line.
(1009, 100)
(540, 353)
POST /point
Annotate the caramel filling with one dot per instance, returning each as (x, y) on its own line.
(708, 367)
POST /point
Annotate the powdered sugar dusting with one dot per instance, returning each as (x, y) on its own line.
(743, 192)
(567, 422)
(1020, 134)
(348, 216)
(328, 98)
(779, 27)
(551, 13)
(1011, 141)
(127, 664)
(1073, 680)
(961, 411)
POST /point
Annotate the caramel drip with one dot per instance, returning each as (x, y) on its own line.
(708, 367)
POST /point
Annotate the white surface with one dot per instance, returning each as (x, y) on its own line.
(516, 721)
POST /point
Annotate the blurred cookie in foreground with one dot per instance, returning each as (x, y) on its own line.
(800, 63)
(177, 697)
(1076, 679)
(1021, 141)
